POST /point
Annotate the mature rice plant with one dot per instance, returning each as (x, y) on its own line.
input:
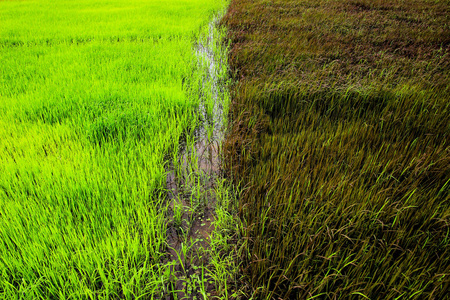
(94, 97)
(340, 136)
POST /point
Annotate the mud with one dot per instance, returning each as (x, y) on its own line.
(190, 188)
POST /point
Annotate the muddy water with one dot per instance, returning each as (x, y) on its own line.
(190, 186)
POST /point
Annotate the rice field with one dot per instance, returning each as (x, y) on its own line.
(332, 181)
(96, 99)
(339, 139)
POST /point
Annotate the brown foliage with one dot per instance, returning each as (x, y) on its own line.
(340, 133)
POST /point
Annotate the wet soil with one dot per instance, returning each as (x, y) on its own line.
(191, 190)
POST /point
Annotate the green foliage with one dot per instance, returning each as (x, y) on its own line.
(340, 135)
(94, 97)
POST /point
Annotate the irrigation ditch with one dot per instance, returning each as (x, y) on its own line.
(194, 181)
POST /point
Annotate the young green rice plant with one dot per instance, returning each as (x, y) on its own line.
(93, 100)
(178, 212)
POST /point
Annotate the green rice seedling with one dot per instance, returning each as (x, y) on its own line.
(95, 96)
(178, 214)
